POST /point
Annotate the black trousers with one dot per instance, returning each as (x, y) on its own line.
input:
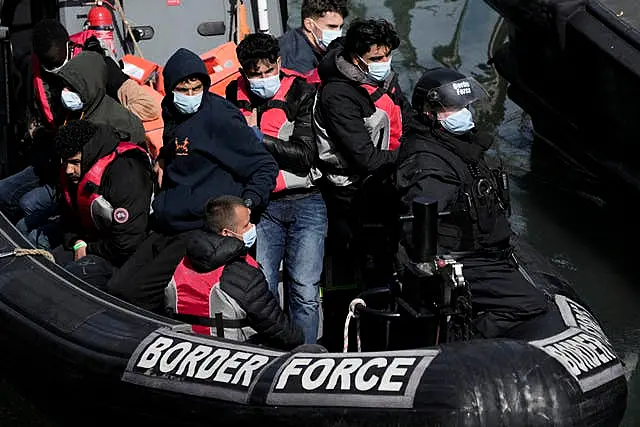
(92, 269)
(142, 279)
(501, 295)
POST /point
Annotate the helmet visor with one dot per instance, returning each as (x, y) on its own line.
(456, 95)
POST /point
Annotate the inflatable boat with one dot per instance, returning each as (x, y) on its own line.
(561, 371)
(574, 66)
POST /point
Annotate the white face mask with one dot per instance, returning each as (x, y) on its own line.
(265, 87)
(378, 71)
(459, 122)
(71, 100)
(66, 60)
(248, 237)
(327, 36)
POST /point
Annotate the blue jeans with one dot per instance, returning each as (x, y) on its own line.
(293, 231)
(37, 206)
(14, 188)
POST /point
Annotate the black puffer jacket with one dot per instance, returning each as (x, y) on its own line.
(247, 285)
(298, 154)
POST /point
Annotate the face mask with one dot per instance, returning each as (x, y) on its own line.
(187, 104)
(248, 237)
(327, 37)
(71, 100)
(265, 87)
(66, 59)
(378, 71)
(459, 122)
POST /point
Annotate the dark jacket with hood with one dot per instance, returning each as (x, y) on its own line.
(210, 153)
(451, 169)
(126, 184)
(438, 165)
(298, 154)
(87, 75)
(343, 107)
(297, 53)
(243, 283)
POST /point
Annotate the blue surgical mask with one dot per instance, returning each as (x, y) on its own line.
(187, 104)
(249, 237)
(378, 71)
(327, 37)
(459, 122)
(71, 100)
(265, 87)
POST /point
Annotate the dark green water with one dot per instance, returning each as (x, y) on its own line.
(576, 235)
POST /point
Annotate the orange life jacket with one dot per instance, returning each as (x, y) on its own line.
(87, 192)
(275, 123)
(384, 102)
(199, 296)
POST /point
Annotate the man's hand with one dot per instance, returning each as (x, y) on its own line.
(252, 120)
(158, 170)
(80, 252)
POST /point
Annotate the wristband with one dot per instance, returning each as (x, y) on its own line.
(81, 244)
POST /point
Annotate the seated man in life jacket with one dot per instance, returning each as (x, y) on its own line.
(26, 196)
(220, 289)
(442, 159)
(358, 119)
(208, 151)
(83, 96)
(294, 225)
(106, 184)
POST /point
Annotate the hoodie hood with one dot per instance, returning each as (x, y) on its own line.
(207, 251)
(103, 143)
(86, 73)
(336, 67)
(181, 65)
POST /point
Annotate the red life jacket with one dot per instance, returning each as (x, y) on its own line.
(274, 122)
(87, 192)
(40, 92)
(384, 102)
(195, 295)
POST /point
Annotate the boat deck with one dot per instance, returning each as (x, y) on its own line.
(627, 11)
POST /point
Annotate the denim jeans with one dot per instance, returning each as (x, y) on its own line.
(13, 188)
(293, 231)
(37, 206)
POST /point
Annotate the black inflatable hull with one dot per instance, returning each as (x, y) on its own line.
(122, 357)
(574, 66)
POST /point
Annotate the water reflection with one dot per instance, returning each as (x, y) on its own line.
(577, 237)
(572, 232)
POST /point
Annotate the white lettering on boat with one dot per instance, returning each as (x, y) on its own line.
(583, 349)
(180, 358)
(368, 379)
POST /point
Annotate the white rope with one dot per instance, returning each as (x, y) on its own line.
(352, 314)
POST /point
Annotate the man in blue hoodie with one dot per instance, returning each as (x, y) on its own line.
(208, 151)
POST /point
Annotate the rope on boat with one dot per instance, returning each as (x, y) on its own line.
(353, 315)
(27, 252)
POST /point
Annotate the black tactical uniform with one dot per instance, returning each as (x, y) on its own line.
(450, 167)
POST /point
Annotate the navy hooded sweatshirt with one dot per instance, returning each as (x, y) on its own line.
(210, 153)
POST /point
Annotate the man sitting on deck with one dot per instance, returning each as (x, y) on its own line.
(220, 289)
(106, 184)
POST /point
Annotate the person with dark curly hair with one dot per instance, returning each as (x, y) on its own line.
(106, 189)
(303, 48)
(293, 227)
(358, 120)
(28, 196)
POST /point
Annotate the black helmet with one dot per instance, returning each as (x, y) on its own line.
(444, 88)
